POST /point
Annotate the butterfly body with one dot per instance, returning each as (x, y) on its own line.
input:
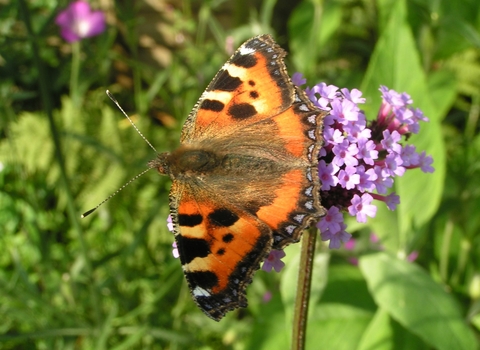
(245, 176)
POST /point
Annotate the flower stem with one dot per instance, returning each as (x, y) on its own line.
(303, 289)
(74, 90)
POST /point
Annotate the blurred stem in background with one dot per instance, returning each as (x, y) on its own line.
(75, 70)
(73, 214)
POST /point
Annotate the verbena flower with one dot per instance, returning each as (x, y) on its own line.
(175, 252)
(360, 159)
(274, 261)
(78, 21)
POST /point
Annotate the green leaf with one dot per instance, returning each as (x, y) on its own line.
(419, 304)
(310, 27)
(443, 91)
(385, 333)
(336, 326)
(270, 331)
(347, 285)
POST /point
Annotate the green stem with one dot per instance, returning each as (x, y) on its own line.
(303, 289)
(74, 90)
(472, 119)
(444, 252)
(71, 210)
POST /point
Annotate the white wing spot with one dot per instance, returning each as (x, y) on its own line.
(310, 151)
(200, 292)
(303, 107)
(246, 50)
(309, 191)
(309, 175)
(290, 229)
(299, 217)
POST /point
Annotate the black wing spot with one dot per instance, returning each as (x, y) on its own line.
(242, 111)
(254, 94)
(246, 61)
(221, 251)
(227, 238)
(212, 105)
(222, 217)
(189, 220)
(251, 83)
(204, 279)
(191, 248)
(225, 82)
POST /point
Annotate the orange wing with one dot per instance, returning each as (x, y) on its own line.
(220, 247)
(251, 86)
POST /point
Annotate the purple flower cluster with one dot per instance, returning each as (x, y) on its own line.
(360, 159)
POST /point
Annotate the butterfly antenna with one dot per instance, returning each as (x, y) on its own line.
(88, 212)
(130, 120)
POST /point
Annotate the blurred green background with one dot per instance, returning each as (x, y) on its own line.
(110, 281)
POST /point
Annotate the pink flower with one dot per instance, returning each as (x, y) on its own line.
(78, 21)
(274, 261)
(170, 224)
(350, 244)
(267, 296)
(175, 252)
(412, 256)
(361, 207)
(336, 237)
(332, 221)
(298, 79)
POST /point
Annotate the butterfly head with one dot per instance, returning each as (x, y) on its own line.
(161, 163)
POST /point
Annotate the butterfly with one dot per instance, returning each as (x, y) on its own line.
(245, 178)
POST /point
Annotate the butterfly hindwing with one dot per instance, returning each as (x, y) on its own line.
(219, 246)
